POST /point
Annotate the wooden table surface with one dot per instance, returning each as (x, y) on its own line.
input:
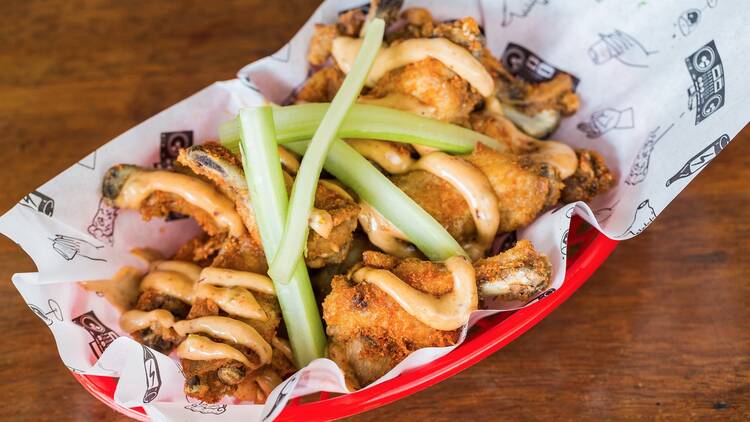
(659, 332)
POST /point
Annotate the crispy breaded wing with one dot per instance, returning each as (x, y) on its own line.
(221, 167)
(442, 93)
(369, 331)
(520, 273)
(592, 177)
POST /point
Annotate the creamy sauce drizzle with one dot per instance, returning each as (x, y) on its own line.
(170, 283)
(284, 347)
(229, 329)
(197, 347)
(383, 234)
(121, 291)
(233, 300)
(135, 320)
(188, 269)
(476, 190)
(391, 158)
(288, 160)
(448, 312)
(400, 102)
(193, 190)
(234, 278)
(455, 57)
(321, 222)
(334, 186)
(468, 180)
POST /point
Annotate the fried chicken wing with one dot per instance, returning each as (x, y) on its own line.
(520, 273)
(592, 177)
(224, 169)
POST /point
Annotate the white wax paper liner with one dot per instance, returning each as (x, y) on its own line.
(662, 88)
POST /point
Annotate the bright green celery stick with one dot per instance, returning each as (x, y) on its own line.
(260, 159)
(298, 123)
(305, 184)
(353, 170)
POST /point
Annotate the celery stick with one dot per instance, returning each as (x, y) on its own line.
(298, 123)
(353, 170)
(260, 159)
(305, 184)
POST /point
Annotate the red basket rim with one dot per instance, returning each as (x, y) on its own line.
(507, 327)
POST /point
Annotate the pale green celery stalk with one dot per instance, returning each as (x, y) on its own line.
(298, 123)
(260, 159)
(353, 170)
(305, 184)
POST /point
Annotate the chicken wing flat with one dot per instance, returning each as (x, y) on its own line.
(520, 273)
(523, 188)
(220, 166)
(442, 93)
(592, 177)
(370, 332)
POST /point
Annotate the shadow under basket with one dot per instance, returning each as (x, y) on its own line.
(587, 250)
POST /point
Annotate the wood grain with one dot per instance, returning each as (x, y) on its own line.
(659, 332)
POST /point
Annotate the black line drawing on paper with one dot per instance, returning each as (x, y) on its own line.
(603, 214)
(170, 145)
(688, 21)
(39, 202)
(70, 247)
(564, 244)
(622, 47)
(706, 95)
(88, 161)
(47, 316)
(102, 226)
(103, 336)
(639, 169)
(603, 121)
(644, 215)
(205, 408)
(701, 159)
(286, 389)
(520, 9)
(690, 18)
(153, 377)
(526, 65)
(76, 370)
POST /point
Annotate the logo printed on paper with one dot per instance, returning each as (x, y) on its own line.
(39, 202)
(701, 159)
(707, 94)
(524, 64)
(153, 377)
(103, 336)
(170, 146)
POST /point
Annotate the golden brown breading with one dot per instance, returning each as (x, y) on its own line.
(321, 86)
(151, 299)
(520, 273)
(369, 330)
(334, 248)
(448, 97)
(217, 164)
(321, 43)
(440, 200)
(199, 250)
(162, 339)
(211, 380)
(267, 329)
(592, 177)
(524, 189)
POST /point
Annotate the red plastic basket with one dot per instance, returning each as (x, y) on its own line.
(587, 250)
